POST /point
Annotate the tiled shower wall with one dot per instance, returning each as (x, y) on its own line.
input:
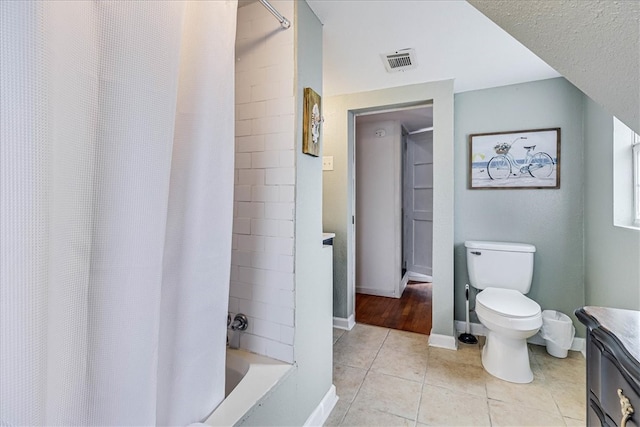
(262, 265)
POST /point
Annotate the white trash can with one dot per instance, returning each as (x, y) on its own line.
(558, 332)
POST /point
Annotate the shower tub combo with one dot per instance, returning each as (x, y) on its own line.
(249, 379)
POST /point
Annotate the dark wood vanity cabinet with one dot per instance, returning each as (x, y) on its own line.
(613, 366)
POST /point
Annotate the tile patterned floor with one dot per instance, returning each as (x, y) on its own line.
(386, 377)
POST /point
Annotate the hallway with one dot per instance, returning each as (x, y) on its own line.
(411, 312)
(386, 377)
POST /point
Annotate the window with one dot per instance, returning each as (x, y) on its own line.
(636, 178)
(626, 176)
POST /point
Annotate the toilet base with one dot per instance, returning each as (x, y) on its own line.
(507, 358)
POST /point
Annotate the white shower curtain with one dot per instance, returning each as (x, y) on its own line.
(116, 188)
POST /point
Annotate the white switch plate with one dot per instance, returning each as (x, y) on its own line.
(327, 163)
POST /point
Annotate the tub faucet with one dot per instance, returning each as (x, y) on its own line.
(239, 324)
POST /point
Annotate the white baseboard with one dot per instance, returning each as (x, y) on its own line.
(377, 292)
(443, 341)
(420, 277)
(403, 283)
(578, 344)
(324, 408)
(346, 324)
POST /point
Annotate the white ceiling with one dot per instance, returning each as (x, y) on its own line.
(413, 119)
(452, 40)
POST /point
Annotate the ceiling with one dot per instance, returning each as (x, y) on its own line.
(413, 119)
(451, 39)
(595, 44)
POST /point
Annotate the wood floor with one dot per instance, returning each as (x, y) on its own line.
(411, 312)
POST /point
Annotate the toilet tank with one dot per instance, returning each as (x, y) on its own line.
(500, 265)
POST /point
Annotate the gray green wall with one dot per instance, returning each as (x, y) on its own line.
(612, 254)
(550, 219)
(339, 113)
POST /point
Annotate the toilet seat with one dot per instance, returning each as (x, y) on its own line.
(508, 309)
(507, 302)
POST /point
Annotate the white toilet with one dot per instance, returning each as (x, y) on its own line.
(503, 273)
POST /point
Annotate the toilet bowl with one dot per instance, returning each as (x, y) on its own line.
(510, 318)
(503, 272)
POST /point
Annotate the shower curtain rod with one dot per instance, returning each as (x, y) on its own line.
(283, 21)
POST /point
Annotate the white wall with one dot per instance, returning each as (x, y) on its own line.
(262, 265)
(378, 208)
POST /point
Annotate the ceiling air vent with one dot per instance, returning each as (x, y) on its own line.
(400, 60)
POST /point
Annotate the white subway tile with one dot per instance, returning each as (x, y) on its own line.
(268, 125)
(243, 94)
(279, 245)
(265, 261)
(252, 176)
(250, 210)
(240, 290)
(265, 193)
(280, 351)
(267, 329)
(285, 263)
(253, 343)
(278, 210)
(251, 110)
(261, 227)
(285, 228)
(234, 271)
(287, 334)
(241, 258)
(250, 243)
(265, 159)
(287, 158)
(242, 193)
(243, 127)
(251, 143)
(243, 161)
(276, 279)
(280, 106)
(234, 241)
(242, 225)
(233, 305)
(284, 176)
(279, 141)
(273, 296)
(284, 316)
(286, 298)
(263, 92)
(249, 275)
(287, 193)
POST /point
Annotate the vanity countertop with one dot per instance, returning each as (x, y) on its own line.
(624, 324)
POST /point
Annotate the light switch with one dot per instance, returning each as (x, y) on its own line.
(327, 163)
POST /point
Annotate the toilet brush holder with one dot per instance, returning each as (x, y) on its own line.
(467, 337)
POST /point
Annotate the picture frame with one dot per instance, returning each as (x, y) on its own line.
(524, 159)
(312, 120)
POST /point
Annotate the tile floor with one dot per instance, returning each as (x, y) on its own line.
(386, 377)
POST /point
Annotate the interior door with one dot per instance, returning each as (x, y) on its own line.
(418, 205)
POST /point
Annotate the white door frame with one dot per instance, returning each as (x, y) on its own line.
(441, 94)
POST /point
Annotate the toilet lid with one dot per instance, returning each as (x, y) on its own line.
(507, 302)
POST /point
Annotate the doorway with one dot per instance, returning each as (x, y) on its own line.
(393, 221)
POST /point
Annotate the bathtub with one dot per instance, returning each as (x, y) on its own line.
(249, 378)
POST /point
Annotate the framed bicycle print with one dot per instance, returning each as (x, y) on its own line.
(525, 159)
